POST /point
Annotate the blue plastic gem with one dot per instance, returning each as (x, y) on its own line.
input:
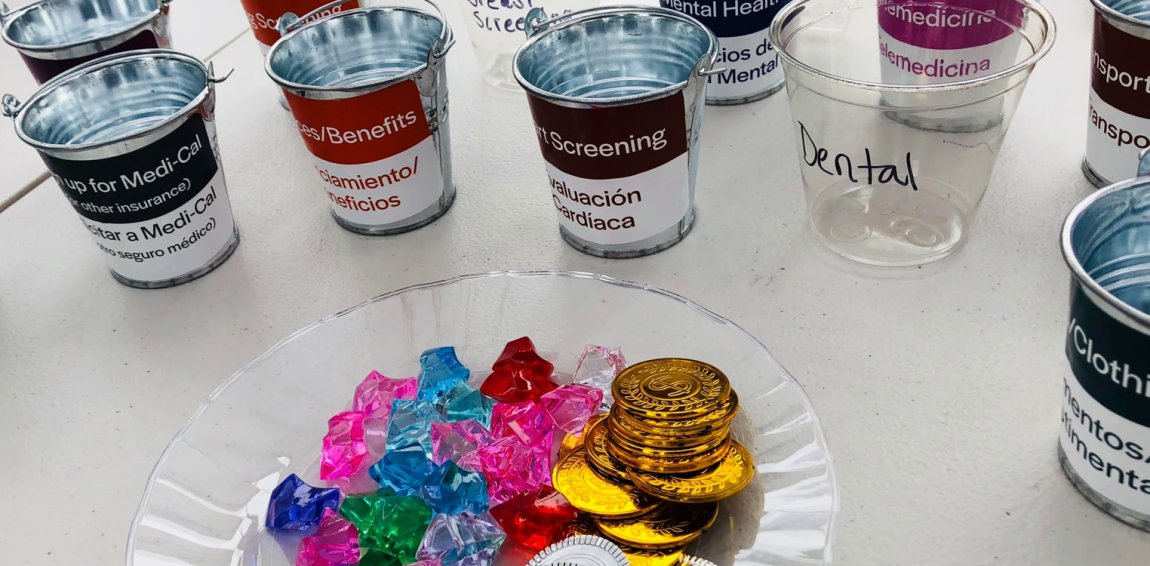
(402, 470)
(451, 490)
(439, 371)
(462, 539)
(298, 506)
(464, 402)
(411, 424)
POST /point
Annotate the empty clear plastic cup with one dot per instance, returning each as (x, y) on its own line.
(895, 165)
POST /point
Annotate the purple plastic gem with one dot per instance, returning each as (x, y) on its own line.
(298, 506)
(439, 371)
(402, 470)
(459, 442)
(335, 543)
(375, 393)
(344, 449)
(571, 406)
(449, 489)
(598, 367)
(512, 468)
(458, 539)
(526, 421)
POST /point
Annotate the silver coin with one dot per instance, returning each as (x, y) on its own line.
(696, 561)
(583, 550)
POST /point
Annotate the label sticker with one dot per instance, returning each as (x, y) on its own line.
(618, 175)
(159, 212)
(749, 62)
(46, 69)
(1119, 123)
(264, 15)
(374, 153)
(964, 39)
(1106, 404)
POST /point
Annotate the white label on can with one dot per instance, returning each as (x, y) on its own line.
(158, 212)
(1106, 405)
(374, 153)
(618, 175)
(1119, 126)
(747, 61)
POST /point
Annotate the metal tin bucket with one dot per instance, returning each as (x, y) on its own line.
(53, 36)
(368, 90)
(1119, 124)
(131, 140)
(617, 95)
(1105, 443)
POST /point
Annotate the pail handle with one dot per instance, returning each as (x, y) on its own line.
(537, 21)
(1144, 163)
(289, 22)
(4, 9)
(9, 106)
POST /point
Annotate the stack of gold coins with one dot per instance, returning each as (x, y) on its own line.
(651, 473)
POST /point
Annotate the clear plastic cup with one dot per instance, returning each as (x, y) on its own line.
(498, 27)
(895, 165)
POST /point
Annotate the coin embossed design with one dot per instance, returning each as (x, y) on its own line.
(595, 442)
(729, 477)
(590, 492)
(699, 446)
(720, 418)
(670, 465)
(667, 526)
(671, 388)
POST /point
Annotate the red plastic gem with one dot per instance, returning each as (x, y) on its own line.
(519, 374)
(536, 520)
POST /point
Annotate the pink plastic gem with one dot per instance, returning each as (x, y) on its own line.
(375, 435)
(375, 393)
(344, 449)
(512, 468)
(571, 406)
(335, 543)
(598, 367)
(526, 421)
(459, 442)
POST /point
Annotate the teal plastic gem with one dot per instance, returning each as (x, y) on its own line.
(464, 402)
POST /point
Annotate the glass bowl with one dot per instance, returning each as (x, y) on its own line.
(207, 496)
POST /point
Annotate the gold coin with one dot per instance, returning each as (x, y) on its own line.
(721, 417)
(641, 557)
(671, 388)
(590, 492)
(619, 429)
(669, 525)
(669, 465)
(727, 478)
(583, 525)
(573, 441)
(637, 446)
(595, 442)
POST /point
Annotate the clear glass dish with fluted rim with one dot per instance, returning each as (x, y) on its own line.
(205, 502)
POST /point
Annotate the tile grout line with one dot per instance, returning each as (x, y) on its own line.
(44, 175)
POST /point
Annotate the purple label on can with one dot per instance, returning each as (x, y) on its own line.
(953, 24)
(45, 69)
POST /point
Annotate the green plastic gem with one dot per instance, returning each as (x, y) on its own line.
(390, 526)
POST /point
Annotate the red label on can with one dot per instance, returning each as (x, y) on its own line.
(264, 15)
(375, 153)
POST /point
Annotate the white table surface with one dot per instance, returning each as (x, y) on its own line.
(939, 390)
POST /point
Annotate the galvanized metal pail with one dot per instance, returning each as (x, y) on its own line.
(368, 90)
(617, 95)
(53, 36)
(1119, 124)
(1105, 442)
(131, 140)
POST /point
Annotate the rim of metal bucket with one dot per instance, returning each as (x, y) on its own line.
(1076, 268)
(438, 50)
(538, 25)
(12, 108)
(1101, 6)
(795, 7)
(8, 16)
